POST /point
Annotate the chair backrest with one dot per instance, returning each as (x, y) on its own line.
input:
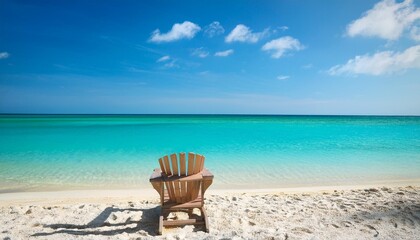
(173, 165)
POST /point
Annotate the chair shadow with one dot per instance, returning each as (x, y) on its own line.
(148, 223)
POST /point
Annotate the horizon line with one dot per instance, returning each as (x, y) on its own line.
(213, 114)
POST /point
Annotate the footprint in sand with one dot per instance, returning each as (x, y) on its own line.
(346, 223)
(374, 229)
(335, 225)
(302, 229)
(394, 223)
(408, 223)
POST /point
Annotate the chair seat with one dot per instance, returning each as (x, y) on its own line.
(169, 204)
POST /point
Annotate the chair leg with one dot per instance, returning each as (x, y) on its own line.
(160, 223)
(206, 221)
(190, 212)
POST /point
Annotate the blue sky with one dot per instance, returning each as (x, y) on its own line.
(249, 57)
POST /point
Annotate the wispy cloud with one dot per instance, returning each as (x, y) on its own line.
(4, 55)
(147, 49)
(138, 70)
(185, 30)
(200, 52)
(380, 63)
(283, 28)
(164, 59)
(224, 53)
(242, 33)
(387, 20)
(280, 29)
(415, 33)
(308, 66)
(281, 45)
(282, 77)
(213, 29)
(171, 64)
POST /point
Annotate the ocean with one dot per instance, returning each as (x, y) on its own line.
(59, 152)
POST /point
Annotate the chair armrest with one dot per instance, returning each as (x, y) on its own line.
(207, 175)
(190, 178)
(156, 176)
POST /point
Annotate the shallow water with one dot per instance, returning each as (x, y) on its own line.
(119, 151)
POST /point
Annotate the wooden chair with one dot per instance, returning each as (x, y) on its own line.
(181, 187)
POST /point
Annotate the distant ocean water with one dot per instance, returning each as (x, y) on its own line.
(39, 152)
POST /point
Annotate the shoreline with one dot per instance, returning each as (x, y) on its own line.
(7, 188)
(141, 194)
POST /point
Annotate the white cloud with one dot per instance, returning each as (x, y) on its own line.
(281, 77)
(380, 63)
(387, 20)
(242, 33)
(179, 31)
(164, 58)
(4, 55)
(279, 46)
(213, 29)
(200, 52)
(224, 53)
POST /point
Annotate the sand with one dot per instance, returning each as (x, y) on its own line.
(367, 213)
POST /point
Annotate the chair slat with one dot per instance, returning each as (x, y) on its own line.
(168, 172)
(177, 192)
(167, 165)
(161, 165)
(191, 161)
(196, 190)
(168, 186)
(182, 163)
(183, 167)
(190, 185)
(198, 166)
(174, 164)
(202, 163)
(183, 191)
(176, 184)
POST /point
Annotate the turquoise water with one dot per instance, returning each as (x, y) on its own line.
(111, 151)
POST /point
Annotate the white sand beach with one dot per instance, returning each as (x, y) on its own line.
(345, 213)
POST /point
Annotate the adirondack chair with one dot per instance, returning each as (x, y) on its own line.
(181, 187)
